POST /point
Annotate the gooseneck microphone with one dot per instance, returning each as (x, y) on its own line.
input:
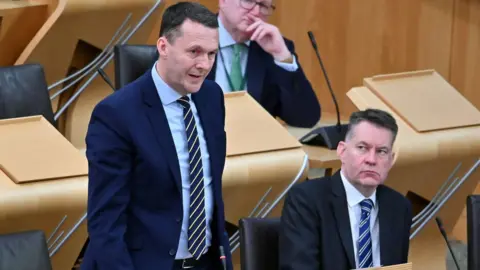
(327, 136)
(444, 234)
(317, 52)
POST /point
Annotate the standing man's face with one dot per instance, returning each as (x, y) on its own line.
(189, 57)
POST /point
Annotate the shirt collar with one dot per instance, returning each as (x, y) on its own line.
(167, 94)
(225, 39)
(354, 196)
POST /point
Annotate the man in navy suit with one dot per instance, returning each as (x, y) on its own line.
(349, 220)
(156, 151)
(255, 57)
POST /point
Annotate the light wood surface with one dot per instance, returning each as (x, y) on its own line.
(408, 94)
(33, 150)
(405, 266)
(424, 162)
(20, 21)
(250, 129)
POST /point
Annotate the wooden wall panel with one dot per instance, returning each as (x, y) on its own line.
(359, 39)
(465, 65)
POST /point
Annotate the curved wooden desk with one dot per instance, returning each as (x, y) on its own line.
(43, 186)
(261, 155)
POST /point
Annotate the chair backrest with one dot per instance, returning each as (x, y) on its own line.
(24, 251)
(132, 61)
(259, 243)
(24, 92)
(473, 231)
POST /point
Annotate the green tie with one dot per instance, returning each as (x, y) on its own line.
(236, 70)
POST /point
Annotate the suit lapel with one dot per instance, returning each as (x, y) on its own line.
(387, 222)
(256, 68)
(340, 211)
(158, 121)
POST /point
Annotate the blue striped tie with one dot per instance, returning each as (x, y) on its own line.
(364, 238)
(197, 220)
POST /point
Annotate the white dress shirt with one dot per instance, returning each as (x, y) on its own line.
(354, 197)
(174, 114)
(226, 54)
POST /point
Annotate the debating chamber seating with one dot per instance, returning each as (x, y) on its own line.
(59, 58)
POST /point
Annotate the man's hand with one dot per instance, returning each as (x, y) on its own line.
(270, 39)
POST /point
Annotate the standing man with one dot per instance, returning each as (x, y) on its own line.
(349, 220)
(156, 152)
(255, 57)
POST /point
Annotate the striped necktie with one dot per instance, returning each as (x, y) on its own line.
(364, 240)
(197, 218)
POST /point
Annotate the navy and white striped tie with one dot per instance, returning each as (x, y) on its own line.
(197, 218)
(364, 239)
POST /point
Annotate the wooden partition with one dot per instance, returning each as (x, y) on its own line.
(19, 22)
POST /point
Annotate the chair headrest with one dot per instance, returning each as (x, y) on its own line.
(24, 250)
(24, 92)
(132, 61)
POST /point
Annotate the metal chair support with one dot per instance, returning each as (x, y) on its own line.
(444, 199)
(264, 211)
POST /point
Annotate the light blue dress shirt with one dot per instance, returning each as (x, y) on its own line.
(174, 114)
(226, 54)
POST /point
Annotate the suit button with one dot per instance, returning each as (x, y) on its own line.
(172, 252)
(178, 220)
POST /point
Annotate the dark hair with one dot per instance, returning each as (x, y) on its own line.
(376, 117)
(176, 14)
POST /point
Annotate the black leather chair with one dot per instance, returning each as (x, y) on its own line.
(473, 231)
(132, 61)
(259, 243)
(24, 251)
(24, 92)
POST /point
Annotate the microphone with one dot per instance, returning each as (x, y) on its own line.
(327, 136)
(444, 234)
(223, 258)
(105, 78)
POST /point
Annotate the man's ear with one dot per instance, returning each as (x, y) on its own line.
(162, 47)
(341, 148)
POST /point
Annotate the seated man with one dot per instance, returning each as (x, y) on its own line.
(254, 56)
(349, 220)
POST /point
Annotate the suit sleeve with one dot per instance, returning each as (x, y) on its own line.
(408, 225)
(299, 238)
(110, 165)
(225, 242)
(298, 104)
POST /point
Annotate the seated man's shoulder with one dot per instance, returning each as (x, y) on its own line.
(394, 195)
(314, 187)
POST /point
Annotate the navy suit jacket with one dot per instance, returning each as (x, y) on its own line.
(316, 233)
(134, 190)
(284, 94)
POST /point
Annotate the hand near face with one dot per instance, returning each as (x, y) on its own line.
(269, 38)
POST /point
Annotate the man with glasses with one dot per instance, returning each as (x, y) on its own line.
(254, 56)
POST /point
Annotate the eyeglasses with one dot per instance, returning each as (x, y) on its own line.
(250, 4)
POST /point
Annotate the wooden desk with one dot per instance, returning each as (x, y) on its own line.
(319, 157)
